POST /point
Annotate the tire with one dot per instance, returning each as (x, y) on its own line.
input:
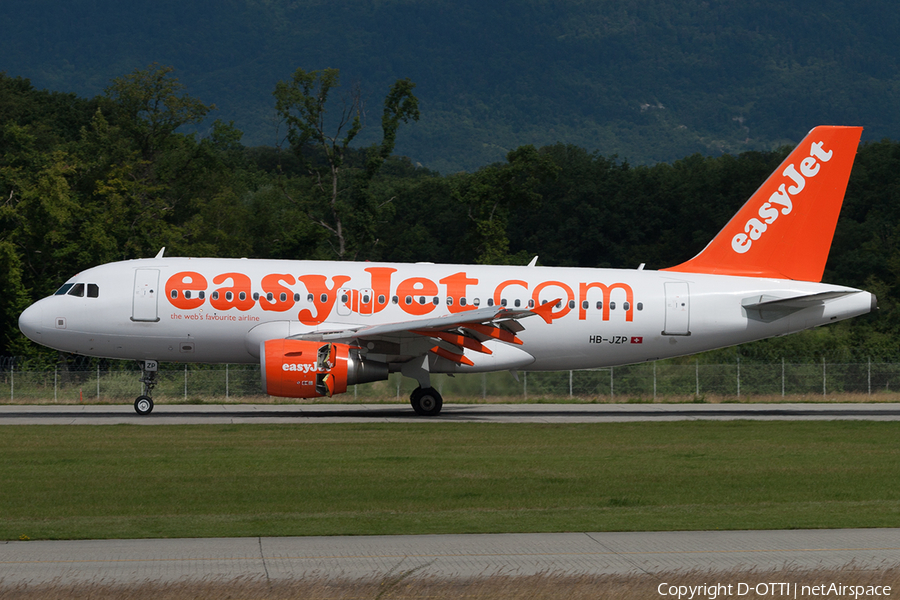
(427, 402)
(143, 405)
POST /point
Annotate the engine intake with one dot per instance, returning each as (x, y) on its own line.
(303, 369)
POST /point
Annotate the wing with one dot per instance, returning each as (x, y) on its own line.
(447, 336)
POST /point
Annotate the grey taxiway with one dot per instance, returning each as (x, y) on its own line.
(445, 556)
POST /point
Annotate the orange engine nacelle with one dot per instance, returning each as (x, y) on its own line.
(302, 369)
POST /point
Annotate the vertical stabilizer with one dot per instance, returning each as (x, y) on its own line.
(785, 230)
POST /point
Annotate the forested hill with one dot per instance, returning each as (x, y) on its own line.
(647, 80)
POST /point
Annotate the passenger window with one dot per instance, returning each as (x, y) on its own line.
(571, 304)
(585, 304)
(283, 297)
(612, 306)
(626, 306)
(77, 290)
(449, 301)
(640, 306)
(93, 290)
(477, 301)
(490, 301)
(462, 301)
(518, 303)
(187, 294)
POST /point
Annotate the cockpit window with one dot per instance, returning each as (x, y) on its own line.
(78, 289)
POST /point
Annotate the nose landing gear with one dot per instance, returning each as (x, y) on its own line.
(143, 405)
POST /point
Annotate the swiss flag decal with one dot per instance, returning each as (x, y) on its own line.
(637, 340)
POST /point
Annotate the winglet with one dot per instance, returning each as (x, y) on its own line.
(784, 231)
(545, 310)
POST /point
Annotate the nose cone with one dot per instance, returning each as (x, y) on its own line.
(30, 322)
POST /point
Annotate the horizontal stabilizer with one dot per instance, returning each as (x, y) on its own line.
(797, 302)
(770, 308)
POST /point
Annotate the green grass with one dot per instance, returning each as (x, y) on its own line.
(247, 480)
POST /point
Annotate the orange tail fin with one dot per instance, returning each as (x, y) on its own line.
(784, 231)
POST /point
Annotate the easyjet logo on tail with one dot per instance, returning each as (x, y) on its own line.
(781, 201)
(789, 221)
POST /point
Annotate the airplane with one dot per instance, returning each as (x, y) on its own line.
(317, 327)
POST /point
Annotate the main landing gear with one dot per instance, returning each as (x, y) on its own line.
(427, 402)
(143, 405)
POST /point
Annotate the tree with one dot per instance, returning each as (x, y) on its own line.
(153, 185)
(492, 192)
(150, 107)
(336, 192)
(40, 212)
(13, 300)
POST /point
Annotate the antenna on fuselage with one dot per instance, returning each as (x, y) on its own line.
(160, 253)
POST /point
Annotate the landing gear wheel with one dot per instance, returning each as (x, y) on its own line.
(426, 401)
(143, 405)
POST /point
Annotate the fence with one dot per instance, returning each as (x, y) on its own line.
(647, 381)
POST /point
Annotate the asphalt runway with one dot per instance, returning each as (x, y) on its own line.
(443, 556)
(452, 413)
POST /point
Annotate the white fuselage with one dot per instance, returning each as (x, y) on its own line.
(219, 310)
